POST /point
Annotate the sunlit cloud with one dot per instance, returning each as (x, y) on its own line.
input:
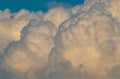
(81, 42)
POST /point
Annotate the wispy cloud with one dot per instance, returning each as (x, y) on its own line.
(57, 4)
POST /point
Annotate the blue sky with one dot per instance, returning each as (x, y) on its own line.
(34, 5)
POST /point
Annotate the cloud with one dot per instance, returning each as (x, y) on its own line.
(77, 43)
(57, 15)
(32, 51)
(11, 25)
(114, 72)
(57, 4)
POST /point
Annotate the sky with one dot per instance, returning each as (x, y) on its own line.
(34, 5)
(69, 40)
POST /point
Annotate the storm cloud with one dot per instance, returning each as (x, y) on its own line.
(81, 42)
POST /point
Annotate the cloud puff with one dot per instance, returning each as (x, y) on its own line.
(57, 15)
(11, 25)
(32, 51)
(77, 43)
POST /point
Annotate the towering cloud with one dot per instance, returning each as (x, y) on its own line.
(77, 43)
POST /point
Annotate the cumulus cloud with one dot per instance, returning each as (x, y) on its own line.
(11, 25)
(57, 15)
(77, 43)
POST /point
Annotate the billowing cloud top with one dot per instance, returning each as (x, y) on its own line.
(77, 43)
